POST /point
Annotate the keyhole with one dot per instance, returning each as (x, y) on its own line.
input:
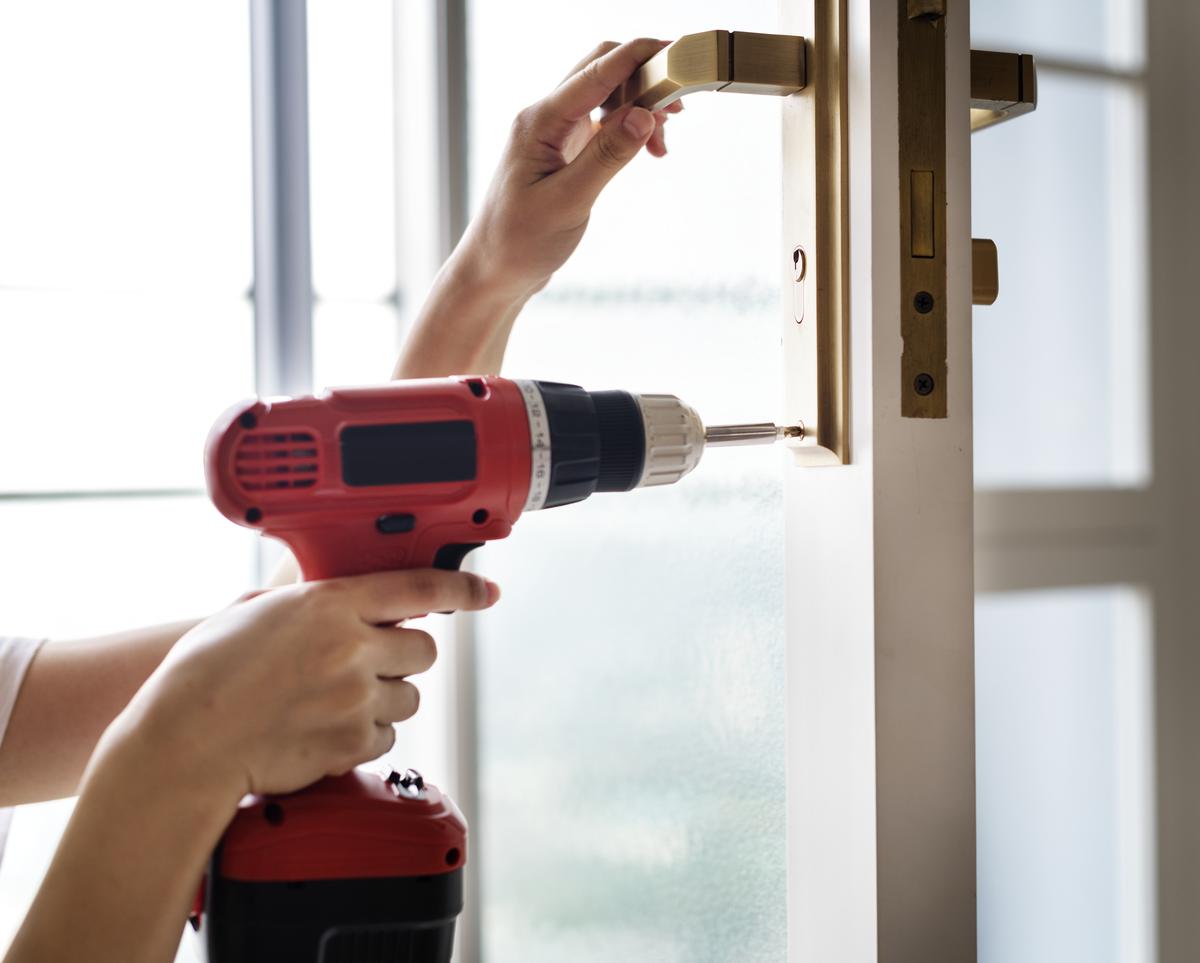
(800, 263)
(799, 270)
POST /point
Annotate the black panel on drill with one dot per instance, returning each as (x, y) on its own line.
(622, 440)
(333, 921)
(410, 454)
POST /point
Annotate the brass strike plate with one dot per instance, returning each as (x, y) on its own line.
(922, 162)
(730, 61)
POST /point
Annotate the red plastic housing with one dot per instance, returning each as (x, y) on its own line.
(275, 464)
(347, 827)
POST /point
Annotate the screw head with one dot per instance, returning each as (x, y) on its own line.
(923, 302)
(923, 384)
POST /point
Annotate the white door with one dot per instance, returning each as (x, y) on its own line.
(631, 710)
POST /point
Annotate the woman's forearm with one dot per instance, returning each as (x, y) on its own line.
(464, 325)
(133, 853)
(72, 691)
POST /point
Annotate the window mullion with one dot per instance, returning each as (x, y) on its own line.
(452, 216)
(282, 233)
(452, 120)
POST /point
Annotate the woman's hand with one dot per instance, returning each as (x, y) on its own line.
(296, 683)
(557, 161)
(555, 165)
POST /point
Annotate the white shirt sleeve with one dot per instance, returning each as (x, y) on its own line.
(15, 656)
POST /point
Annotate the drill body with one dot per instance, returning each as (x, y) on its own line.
(411, 474)
(414, 474)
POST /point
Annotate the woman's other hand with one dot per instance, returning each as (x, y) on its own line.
(556, 163)
(554, 166)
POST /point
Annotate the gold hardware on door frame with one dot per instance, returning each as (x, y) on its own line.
(730, 61)
(921, 84)
(1003, 86)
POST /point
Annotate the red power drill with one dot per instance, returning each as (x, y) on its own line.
(411, 474)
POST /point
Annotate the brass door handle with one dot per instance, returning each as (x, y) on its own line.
(1003, 86)
(734, 62)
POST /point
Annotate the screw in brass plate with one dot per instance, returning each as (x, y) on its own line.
(923, 384)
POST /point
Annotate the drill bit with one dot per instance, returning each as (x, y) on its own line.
(765, 433)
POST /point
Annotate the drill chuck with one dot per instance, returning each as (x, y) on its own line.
(614, 441)
(674, 439)
(605, 441)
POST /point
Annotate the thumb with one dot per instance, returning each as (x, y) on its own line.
(614, 145)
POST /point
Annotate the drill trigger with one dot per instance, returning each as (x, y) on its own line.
(450, 557)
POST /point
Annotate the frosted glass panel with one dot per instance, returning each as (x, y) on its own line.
(106, 391)
(86, 567)
(126, 133)
(718, 350)
(1108, 32)
(631, 709)
(631, 704)
(351, 141)
(1060, 359)
(353, 343)
(707, 214)
(1064, 755)
(632, 726)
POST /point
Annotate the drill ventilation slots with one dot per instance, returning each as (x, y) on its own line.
(266, 461)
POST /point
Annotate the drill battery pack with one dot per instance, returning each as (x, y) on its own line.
(359, 868)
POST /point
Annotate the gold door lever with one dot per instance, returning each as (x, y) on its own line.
(1003, 86)
(734, 62)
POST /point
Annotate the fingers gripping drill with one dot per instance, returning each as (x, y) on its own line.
(412, 474)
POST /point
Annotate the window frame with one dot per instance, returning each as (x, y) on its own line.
(1140, 535)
